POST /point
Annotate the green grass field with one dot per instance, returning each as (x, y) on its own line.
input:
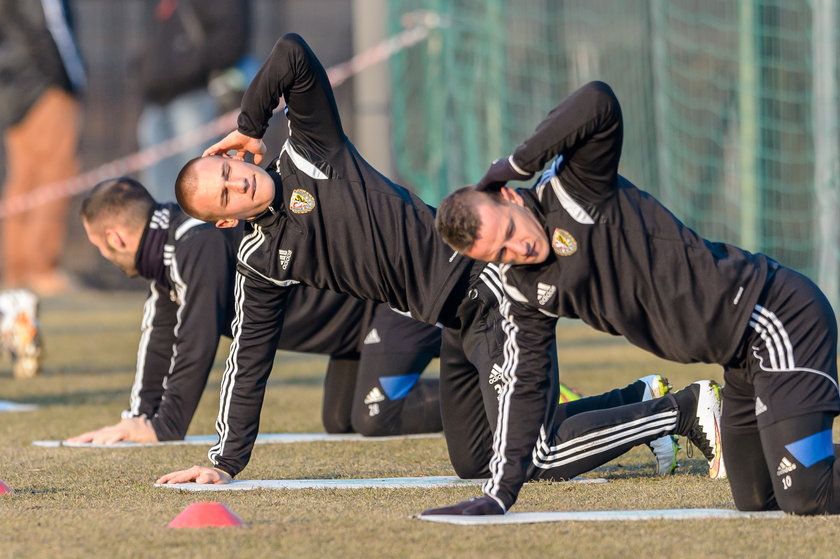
(101, 503)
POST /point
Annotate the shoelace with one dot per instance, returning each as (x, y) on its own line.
(705, 447)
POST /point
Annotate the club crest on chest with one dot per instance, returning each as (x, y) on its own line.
(301, 201)
(563, 243)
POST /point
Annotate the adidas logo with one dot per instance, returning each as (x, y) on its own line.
(495, 374)
(168, 254)
(545, 292)
(160, 219)
(760, 407)
(285, 258)
(785, 467)
(372, 337)
(375, 395)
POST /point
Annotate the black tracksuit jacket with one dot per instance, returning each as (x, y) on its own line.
(190, 306)
(620, 261)
(335, 223)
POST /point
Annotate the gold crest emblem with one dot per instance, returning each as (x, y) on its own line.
(301, 202)
(563, 243)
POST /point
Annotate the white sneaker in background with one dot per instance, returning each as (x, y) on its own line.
(664, 448)
(20, 334)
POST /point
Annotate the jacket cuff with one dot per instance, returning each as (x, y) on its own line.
(517, 168)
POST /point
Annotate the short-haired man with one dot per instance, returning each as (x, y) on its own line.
(321, 215)
(372, 385)
(586, 243)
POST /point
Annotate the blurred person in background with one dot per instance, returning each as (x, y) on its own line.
(20, 332)
(41, 75)
(188, 75)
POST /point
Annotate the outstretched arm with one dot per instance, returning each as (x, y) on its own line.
(293, 72)
(529, 376)
(260, 307)
(202, 268)
(154, 352)
(154, 355)
(586, 130)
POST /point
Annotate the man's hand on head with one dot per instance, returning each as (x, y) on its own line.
(241, 144)
(500, 172)
(132, 429)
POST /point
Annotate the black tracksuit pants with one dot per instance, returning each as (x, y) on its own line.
(780, 400)
(584, 434)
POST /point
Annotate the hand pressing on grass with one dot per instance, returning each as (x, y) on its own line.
(198, 474)
(132, 429)
(476, 506)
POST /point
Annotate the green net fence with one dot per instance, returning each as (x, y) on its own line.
(730, 106)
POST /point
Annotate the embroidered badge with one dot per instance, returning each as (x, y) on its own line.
(563, 243)
(301, 202)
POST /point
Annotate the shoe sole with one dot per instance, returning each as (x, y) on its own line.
(710, 399)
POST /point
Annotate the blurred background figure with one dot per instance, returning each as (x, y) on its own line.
(20, 335)
(41, 74)
(188, 75)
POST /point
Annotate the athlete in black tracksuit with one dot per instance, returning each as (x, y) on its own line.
(337, 223)
(376, 355)
(623, 264)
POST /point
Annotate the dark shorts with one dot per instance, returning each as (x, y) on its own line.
(788, 366)
(382, 393)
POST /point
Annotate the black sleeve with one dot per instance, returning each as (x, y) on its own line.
(587, 130)
(202, 273)
(154, 353)
(292, 71)
(529, 385)
(256, 327)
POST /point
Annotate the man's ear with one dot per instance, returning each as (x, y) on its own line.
(510, 195)
(115, 239)
(226, 223)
